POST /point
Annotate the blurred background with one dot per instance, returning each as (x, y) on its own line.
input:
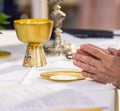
(81, 14)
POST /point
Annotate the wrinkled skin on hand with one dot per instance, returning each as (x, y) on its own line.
(102, 65)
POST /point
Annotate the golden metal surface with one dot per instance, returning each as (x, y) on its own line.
(34, 32)
(4, 54)
(83, 109)
(62, 76)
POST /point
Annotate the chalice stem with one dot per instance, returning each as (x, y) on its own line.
(34, 56)
(27, 58)
(42, 57)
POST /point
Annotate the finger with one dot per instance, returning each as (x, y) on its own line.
(75, 56)
(94, 51)
(82, 52)
(88, 74)
(119, 52)
(85, 67)
(86, 59)
(101, 79)
(84, 73)
(104, 50)
(113, 51)
(96, 47)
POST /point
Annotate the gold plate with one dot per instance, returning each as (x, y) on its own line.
(4, 54)
(62, 76)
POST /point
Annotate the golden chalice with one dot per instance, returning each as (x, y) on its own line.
(34, 32)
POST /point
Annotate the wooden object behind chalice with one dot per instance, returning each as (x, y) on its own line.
(34, 32)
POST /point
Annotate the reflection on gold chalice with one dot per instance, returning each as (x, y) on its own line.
(34, 32)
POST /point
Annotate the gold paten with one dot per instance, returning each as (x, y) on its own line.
(62, 76)
(34, 32)
(83, 109)
(4, 54)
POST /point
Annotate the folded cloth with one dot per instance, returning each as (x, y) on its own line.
(84, 33)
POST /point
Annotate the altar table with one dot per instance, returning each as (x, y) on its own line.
(23, 89)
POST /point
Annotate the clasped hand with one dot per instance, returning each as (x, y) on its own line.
(102, 65)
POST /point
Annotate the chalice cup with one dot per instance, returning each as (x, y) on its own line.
(34, 32)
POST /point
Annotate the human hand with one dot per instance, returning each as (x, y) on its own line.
(101, 66)
(114, 51)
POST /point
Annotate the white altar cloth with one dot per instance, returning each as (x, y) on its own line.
(22, 88)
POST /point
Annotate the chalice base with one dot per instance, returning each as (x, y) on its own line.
(35, 56)
(65, 48)
(4, 54)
